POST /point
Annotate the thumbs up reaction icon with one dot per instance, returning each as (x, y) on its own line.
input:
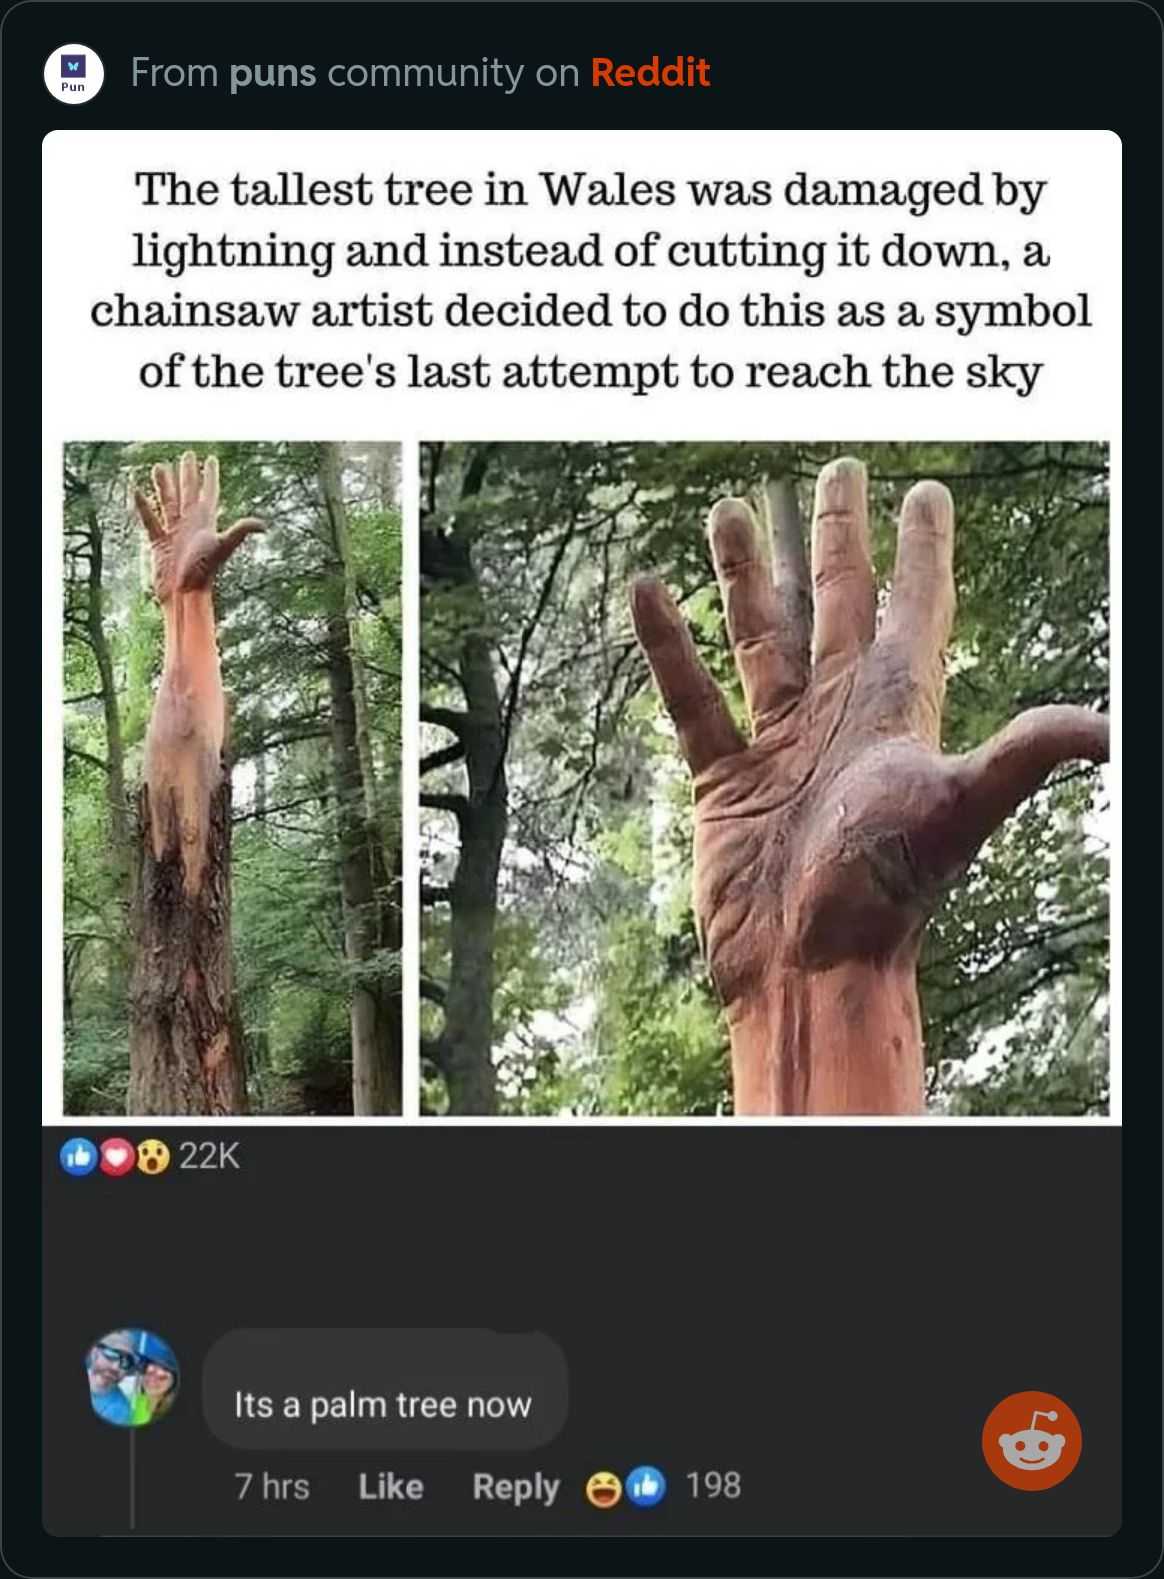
(78, 1157)
(646, 1486)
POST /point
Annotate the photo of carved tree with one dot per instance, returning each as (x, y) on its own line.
(565, 968)
(231, 737)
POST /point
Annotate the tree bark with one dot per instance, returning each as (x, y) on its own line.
(375, 1021)
(119, 827)
(464, 1050)
(184, 1054)
(120, 832)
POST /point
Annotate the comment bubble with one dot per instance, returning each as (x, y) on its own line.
(384, 1387)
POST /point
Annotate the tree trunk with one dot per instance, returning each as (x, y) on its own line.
(185, 1048)
(259, 759)
(114, 745)
(120, 837)
(466, 1041)
(463, 1052)
(376, 1049)
(375, 1022)
(842, 1040)
(184, 1055)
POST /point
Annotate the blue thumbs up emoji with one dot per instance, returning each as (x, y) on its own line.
(646, 1486)
(79, 1157)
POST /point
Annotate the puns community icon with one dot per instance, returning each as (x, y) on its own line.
(73, 74)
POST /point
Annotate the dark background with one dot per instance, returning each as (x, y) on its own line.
(864, 1296)
(811, 1307)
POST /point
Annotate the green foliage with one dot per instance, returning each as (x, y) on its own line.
(659, 1039)
(604, 1007)
(96, 1067)
(1054, 1059)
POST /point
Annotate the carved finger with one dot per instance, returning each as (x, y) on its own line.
(704, 726)
(188, 485)
(921, 607)
(842, 571)
(790, 563)
(228, 541)
(167, 489)
(210, 487)
(149, 517)
(993, 781)
(772, 666)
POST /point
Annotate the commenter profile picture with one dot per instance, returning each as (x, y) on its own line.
(132, 1376)
(73, 74)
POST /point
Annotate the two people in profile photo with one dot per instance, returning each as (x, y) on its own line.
(133, 1377)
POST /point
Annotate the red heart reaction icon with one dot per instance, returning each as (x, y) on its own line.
(117, 1156)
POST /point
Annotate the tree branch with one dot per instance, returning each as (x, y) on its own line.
(457, 804)
(527, 634)
(243, 749)
(86, 756)
(433, 991)
(270, 811)
(445, 718)
(442, 759)
(474, 477)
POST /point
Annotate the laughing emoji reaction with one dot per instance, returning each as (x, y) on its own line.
(603, 1489)
(153, 1156)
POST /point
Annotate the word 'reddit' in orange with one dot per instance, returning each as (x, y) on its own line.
(685, 71)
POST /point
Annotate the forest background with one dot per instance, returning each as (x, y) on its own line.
(309, 633)
(560, 968)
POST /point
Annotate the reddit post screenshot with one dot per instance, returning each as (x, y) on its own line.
(582, 635)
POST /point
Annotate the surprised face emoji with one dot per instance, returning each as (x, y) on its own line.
(153, 1156)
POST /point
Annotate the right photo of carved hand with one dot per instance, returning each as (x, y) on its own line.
(765, 780)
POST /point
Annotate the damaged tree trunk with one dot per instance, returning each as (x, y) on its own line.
(183, 1057)
(184, 1054)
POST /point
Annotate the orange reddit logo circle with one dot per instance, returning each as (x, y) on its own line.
(1032, 1441)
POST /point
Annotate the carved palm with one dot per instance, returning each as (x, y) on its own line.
(826, 839)
(181, 522)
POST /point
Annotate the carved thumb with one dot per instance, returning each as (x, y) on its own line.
(229, 540)
(997, 777)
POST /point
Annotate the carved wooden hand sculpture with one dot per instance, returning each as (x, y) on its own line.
(184, 1053)
(822, 845)
(183, 754)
